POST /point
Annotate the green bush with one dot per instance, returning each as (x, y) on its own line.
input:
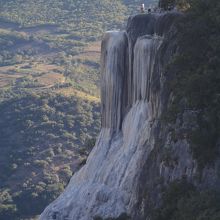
(196, 78)
(183, 201)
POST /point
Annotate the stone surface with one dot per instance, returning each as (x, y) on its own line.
(134, 156)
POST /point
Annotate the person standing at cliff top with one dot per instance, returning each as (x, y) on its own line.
(142, 8)
(149, 10)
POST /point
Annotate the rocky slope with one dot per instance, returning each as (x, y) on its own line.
(135, 155)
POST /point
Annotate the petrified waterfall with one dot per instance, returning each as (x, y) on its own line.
(124, 174)
(113, 68)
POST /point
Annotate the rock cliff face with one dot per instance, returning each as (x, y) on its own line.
(124, 174)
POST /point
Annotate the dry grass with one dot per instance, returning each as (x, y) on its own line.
(94, 47)
(12, 32)
(49, 79)
(48, 74)
(7, 80)
(91, 52)
(73, 92)
(43, 67)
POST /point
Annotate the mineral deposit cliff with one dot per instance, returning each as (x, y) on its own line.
(125, 172)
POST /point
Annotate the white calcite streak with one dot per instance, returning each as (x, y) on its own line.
(113, 69)
(145, 52)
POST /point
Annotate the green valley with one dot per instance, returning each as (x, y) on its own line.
(49, 95)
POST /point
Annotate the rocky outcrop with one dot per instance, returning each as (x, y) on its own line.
(134, 156)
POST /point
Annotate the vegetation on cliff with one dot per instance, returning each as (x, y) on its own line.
(169, 4)
(183, 201)
(196, 84)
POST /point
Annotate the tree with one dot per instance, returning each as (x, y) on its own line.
(183, 4)
(167, 4)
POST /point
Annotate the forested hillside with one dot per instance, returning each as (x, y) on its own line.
(49, 95)
(44, 139)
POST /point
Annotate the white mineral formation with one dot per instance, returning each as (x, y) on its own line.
(122, 176)
(104, 187)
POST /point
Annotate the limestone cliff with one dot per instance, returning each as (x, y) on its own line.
(125, 172)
